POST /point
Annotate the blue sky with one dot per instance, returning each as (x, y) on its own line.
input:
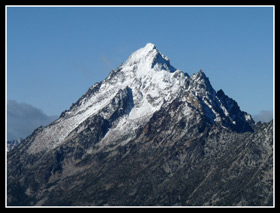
(54, 54)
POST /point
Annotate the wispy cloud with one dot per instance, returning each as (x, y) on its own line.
(263, 116)
(107, 62)
(23, 119)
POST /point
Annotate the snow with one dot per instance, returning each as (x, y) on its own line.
(248, 117)
(54, 135)
(152, 83)
(142, 56)
(152, 80)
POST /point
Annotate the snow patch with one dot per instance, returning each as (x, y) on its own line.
(152, 81)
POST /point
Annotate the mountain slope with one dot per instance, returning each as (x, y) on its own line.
(11, 144)
(148, 134)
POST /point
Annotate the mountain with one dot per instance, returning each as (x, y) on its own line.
(149, 134)
(12, 143)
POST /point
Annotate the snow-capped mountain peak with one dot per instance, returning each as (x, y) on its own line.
(146, 73)
(146, 119)
(146, 82)
(149, 57)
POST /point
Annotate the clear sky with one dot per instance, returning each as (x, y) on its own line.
(54, 54)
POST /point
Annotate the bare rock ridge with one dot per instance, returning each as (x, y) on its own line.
(147, 135)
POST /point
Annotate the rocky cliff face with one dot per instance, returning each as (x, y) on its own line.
(148, 134)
